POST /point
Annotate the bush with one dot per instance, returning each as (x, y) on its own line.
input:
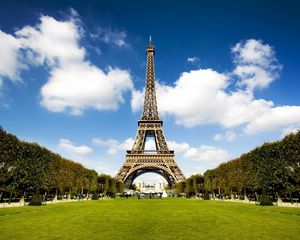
(265, 201)
(206, 196)
(112, 195)
(36, 200)
(95, 196)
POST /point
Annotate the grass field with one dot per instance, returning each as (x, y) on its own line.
(150, 219)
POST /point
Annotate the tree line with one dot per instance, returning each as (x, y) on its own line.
(272, 168)
(27, 168)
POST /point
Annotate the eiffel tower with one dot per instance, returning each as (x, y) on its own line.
(138, 160)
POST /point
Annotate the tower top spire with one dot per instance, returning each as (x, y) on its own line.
(150, 47)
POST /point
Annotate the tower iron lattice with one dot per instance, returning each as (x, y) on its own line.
(138, 160)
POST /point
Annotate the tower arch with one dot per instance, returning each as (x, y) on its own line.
(154, 169)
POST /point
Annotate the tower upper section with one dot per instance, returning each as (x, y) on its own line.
(150, 112)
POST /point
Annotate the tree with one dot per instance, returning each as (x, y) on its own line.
(120, 187)
(103, 183)
(112, 189)
(194, 185)
(180, 187)
(290, 150)
(9, 157)
(208, 181)
(189, 187)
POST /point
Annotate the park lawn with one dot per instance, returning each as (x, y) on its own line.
(150, 219)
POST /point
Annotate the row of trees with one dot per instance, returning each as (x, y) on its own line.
(109, 186)
(273, 168)
(27, 168)
(193, 186)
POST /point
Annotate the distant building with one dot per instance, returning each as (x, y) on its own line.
(150, 188)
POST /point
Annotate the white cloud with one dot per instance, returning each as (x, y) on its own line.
(228, 136)
(113, 146)
(52, 42)
(192, 60)
(81, 86)
(256, 64)
(178, 147)
(127, 144)
(74, 84)
(74, 13)
(150, 145)
(207, 153)
(10, 63)
(111, 36)
(98, 141)
(255, 52)
(204, 96)
(137, 99)
(187, 99)
(273, 119)
(291, 129)
(68, 146)
(207, 157)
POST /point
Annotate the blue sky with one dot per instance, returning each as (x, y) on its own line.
(72, 75)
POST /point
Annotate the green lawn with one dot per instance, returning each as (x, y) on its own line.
(150, 219)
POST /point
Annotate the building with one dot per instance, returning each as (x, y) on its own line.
(158, 187)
